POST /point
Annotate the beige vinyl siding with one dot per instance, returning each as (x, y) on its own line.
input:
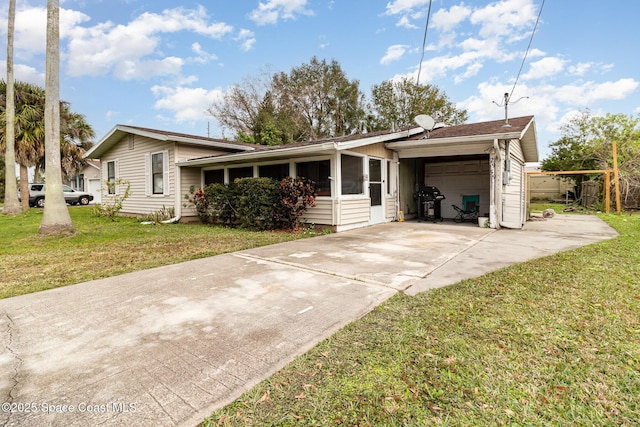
(131, 167)
(186, 152)
(353, 211)
(321, 213)
(375, 150)
(513, 210)
(189, 177)
(389, 207)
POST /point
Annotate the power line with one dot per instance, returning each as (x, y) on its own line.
(526, 52)
(424, 42)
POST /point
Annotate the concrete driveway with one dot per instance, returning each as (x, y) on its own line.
(167, 346)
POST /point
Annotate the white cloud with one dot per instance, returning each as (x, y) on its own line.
(247, 39)
(504, 18)
(406, 23)
(274, 10)
(202, 57)
(30, 29)
(587, 93)
(186, 104)
(23, 73)
(124, 49)
(401, 7)
(394, 53)
(546, 67)
(447, 20)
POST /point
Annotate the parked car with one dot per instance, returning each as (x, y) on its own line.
(71, 196)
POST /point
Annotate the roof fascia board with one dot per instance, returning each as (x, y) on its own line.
(347, 145)
(259, 155)
(308, 149)
(452, 140)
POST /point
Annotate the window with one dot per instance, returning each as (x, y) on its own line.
(318, 172)
(351, 171)
(277, 172)
(236, 173)
(214, 177)
(156, 168)
(111, 177)
(131, 141)
(157, 173)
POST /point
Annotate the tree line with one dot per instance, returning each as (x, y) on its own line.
(586, 144)
(317, 100)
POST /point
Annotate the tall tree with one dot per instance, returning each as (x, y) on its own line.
(11, 203)
(326, 102)
(314, 100)
(395, 103)
(55, 218)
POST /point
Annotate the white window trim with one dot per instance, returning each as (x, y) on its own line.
(148, 181)
(365, 167)
(105, 177)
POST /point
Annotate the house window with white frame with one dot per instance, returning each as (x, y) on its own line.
(111, 177)
(319, 172)
(352, 174)
(157, 173)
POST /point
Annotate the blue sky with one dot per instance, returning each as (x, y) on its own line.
(160, 64)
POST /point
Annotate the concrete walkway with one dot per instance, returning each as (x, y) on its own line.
(167, 346)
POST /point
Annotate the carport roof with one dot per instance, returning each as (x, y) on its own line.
(521, 128)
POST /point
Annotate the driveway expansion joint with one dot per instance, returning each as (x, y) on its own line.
(303, 267)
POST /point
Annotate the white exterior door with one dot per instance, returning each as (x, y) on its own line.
(376, 191)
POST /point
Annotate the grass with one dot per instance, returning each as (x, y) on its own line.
(100, 248)
(551, 342)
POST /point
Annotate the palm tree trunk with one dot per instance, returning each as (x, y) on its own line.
(11, 203)
(55, 218)
(24, 187)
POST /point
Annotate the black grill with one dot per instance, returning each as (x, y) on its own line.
(429, 203)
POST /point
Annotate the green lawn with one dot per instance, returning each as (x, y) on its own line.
(550, 342)
(100, 247)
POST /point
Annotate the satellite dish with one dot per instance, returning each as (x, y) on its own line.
(425, 122)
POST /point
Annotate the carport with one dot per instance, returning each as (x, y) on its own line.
(483, 162)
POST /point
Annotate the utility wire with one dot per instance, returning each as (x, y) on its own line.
(424, 43)
(525, 54)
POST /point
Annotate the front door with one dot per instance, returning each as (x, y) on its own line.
(375, 190)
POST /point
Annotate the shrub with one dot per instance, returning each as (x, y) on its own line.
(256, 203)
(257, 200)
(295, 197)
(111, 207)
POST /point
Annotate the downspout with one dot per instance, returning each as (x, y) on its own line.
(495, 193)
(178, 209)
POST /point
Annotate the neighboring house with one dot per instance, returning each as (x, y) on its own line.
(361, 179)
(89, 180)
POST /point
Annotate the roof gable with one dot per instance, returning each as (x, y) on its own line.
(119, 131)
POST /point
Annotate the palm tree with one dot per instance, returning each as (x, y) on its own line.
(76, 135)
(11, 204)
(28, 130)
(55, 218)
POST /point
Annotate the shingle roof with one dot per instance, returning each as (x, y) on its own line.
(517, 124)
